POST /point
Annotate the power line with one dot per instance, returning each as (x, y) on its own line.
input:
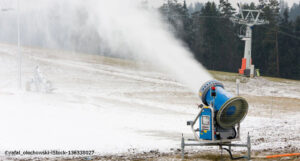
(217, 17)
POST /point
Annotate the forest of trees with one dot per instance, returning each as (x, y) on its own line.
(214, 39)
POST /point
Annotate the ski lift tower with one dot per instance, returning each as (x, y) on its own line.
(249, 18)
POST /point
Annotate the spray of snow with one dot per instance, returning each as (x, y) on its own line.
(123, 28)
(130, 27)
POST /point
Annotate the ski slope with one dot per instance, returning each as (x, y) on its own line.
(115, 106)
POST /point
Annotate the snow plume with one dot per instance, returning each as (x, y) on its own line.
(128, 27)
(122, 28)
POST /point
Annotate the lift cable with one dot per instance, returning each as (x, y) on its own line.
(281, 32)
(287, 28)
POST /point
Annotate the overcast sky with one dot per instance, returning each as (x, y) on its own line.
(233, 2)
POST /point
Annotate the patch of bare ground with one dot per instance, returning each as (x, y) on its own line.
(279, 103)
(267, 106)
(171, 156)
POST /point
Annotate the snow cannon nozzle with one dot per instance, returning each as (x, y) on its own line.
(229, 109)
(205, 88)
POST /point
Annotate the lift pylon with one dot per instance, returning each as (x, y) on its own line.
(248, 18)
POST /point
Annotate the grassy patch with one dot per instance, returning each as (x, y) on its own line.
(227, 76)
(275, 79)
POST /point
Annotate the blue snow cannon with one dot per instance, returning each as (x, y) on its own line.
(228, 111)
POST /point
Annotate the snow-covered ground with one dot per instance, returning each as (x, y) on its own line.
(112, 106)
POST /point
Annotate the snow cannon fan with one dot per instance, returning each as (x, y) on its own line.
(221, 114)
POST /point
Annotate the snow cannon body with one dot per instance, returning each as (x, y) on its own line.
(229, 110)
(221, 114)
(218, 120)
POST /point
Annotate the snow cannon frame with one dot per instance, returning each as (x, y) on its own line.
(219, 119)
